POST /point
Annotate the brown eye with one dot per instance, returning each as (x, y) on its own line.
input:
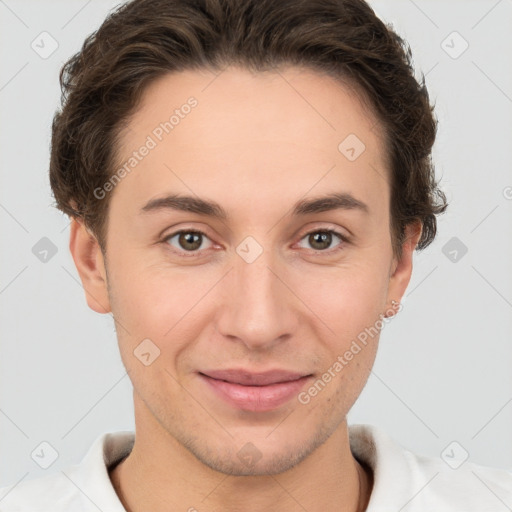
(321, 240)
(187, 241)
(190, 241)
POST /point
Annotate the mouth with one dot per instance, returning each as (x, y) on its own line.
(255, 392)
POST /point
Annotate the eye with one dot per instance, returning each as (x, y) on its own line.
(321, 239)
(188, 241)
(192, 241)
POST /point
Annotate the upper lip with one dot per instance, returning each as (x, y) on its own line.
(248, 378)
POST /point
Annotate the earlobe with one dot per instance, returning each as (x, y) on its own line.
(402, 269)
(90, 265)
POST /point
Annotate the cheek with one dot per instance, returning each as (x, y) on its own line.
(156, 302)
(171, 305)
(346, 300)
(348, 307)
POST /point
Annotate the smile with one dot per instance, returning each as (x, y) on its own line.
(255, 392)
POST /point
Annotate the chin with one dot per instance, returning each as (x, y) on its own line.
(258, 457)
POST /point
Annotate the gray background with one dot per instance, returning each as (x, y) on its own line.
(443, 370)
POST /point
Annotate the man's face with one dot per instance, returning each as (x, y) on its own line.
(266, 288)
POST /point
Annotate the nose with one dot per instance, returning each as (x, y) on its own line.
(258, 307)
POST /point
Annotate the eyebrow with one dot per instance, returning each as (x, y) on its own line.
(335, 201)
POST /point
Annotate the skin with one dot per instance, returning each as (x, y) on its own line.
(256, 144)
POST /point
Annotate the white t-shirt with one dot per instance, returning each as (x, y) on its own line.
(403, 481)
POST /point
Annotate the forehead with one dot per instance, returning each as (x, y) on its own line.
(257, 133)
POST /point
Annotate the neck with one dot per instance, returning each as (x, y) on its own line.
(157, 473)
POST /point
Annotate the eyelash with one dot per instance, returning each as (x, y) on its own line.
(187, 254)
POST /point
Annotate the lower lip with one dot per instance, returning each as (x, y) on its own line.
(256, 398)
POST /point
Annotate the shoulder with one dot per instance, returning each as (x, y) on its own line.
(83, 486)
(453, 485)
(52, 492)
(413, 482)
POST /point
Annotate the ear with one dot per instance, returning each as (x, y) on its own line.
(401, 270)
(89, 262)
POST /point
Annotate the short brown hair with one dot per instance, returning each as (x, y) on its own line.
(144, 39)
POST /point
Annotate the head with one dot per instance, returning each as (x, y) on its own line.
(302, 140)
